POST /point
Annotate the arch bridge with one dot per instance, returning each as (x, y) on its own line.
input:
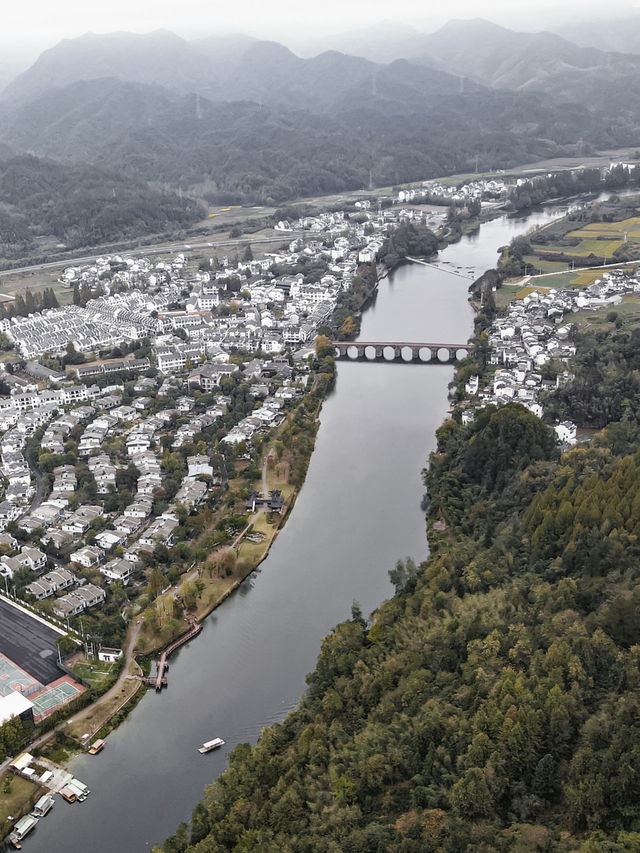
(403, 351)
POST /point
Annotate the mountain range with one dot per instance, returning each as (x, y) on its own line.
(234, 118)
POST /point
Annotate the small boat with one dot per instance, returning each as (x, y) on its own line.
(67, 794)
(22, 827)
(96, 746)
(211, 744)
(79, 789)
(43, 806)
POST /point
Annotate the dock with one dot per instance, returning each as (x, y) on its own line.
(159, 680)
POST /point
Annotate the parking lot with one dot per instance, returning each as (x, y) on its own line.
(28, 643)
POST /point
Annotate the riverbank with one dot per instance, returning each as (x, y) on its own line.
(109, 710)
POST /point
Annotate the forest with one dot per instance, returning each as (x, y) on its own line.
(81, 205)
(493, 703)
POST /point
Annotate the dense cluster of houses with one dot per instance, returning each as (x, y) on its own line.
(194, 319)
(265, 304)
(533, 332)
(481, 189)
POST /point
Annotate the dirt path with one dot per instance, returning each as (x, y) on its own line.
(265, 485)
(112, 691)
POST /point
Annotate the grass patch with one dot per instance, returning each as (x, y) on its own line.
(599, 248)
(13, 284)
(554, 281)
(506, 294)
(59, 749)
(97, 673)
(525, 291)
(584, 279)
(17, 801)
(628, 225)
(99, 713)
(628, 312)
(544, 266)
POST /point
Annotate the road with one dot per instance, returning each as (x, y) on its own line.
(149, 250)
(529, 278)
(39, 495)
(124, 675)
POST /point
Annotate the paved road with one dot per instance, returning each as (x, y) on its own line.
(529, 278)
(39, 494)
(148, 250)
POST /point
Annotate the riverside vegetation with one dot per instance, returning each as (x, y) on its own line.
(494, 702)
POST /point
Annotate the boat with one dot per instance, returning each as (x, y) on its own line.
(79, 789)
(211, 744)
(43, 806)
(22, 827)
(96, 746)
(67, 794)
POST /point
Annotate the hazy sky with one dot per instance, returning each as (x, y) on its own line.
(30, 26)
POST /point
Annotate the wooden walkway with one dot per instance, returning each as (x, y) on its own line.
(159, 680)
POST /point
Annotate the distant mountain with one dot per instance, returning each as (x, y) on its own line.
(8, 71)
(362, 123)
(238, 119)
(383, 42)
(160, 58)
(506, 59)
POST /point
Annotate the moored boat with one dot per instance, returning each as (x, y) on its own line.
(22, 827)
(43, 806)
(96, 746)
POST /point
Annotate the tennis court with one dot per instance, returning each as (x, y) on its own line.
(54, 696)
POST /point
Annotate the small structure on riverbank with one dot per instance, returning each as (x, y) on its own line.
(159, 680)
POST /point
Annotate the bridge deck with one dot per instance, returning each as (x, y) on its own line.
(400, 344)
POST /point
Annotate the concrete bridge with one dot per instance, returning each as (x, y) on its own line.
(404, 351)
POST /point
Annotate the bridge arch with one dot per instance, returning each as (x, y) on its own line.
(407, 354)
(369, 352)
(389, 352)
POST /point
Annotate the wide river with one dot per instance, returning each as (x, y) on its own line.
(358, 512)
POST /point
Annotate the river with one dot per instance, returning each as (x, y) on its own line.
(357, 513)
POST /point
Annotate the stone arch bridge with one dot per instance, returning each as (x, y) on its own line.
(403, 351)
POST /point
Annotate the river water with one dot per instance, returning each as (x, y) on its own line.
(358, 512)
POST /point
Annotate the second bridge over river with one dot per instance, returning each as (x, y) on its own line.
(403, 351)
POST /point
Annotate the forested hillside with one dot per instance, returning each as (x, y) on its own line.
(81, 205)
(493, 704)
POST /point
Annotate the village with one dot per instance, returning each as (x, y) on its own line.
(533, 332)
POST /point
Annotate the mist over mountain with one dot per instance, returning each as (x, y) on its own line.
(159, 57)
(232, 118)
(619, 33)
(505, 59)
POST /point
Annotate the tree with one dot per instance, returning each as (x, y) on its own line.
(324, 347)
(470, 796)
(348, 327)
